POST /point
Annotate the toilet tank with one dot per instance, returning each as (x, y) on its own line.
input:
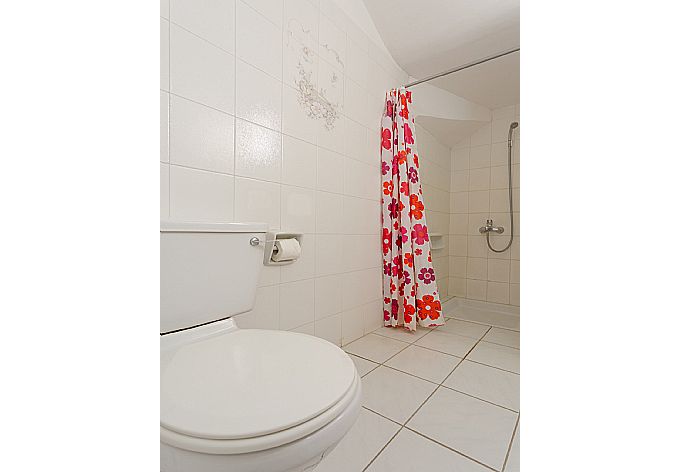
(209, 271)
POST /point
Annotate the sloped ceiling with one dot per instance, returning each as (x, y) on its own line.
(432, 36)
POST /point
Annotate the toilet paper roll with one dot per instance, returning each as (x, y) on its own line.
(286, 250)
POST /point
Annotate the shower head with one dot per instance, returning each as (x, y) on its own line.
(514, 125)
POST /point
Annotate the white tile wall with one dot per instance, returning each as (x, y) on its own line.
(479, 191)
(435, 170)
(238, 145)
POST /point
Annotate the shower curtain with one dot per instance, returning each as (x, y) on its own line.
(410, 294)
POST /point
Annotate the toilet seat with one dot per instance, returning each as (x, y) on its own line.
(231, 391)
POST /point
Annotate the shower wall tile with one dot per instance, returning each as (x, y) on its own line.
(243, 140)
(479, 191)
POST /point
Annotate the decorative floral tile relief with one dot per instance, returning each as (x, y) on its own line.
(322, 99)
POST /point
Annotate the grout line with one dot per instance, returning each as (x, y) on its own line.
(510, 445)
(479, 398)
(450, 448)
(383, 448)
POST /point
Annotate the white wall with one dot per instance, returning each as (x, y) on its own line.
(434, 169)
(479, 190)
(238, 144)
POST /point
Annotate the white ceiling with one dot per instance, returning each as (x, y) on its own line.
(432, 36)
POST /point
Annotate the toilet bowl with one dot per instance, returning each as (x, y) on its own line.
(240, 399)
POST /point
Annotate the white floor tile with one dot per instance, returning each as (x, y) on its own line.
(464, 328)
(410, 452)
(513, 464)
(486, 317)
(504, 337)
(430, 365)
(449, 343)
(363, 366)
(394, 394)
(402, 334)
(475, 428)
(495, 355)
(360, 445)
(376, 348)
(490, 384)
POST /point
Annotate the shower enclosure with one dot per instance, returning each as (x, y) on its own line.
(469, 143)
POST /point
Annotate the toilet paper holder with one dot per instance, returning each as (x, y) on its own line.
(270, 246)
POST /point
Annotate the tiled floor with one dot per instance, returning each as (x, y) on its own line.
(438, 400)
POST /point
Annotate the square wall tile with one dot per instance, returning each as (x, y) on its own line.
(296, 304)
(271, 9)
(328, 295)
(373, 316)
(329, 171)
(515, 294)
(329, 213)
(479, 201)
(476, 268)
(479, 179)
(164, 120)
(329, 329)
(201, 137)
(331, 42)
(296, 121)
(329, 254)
(499, 155)
(258, 97)
(265, 314)
(480, 156)
(497, 292)
(197, 195)
(361, 180)
(476, 289)
(213, 20)
(259, 41)
(361, 216)
(256, 200)
(299, 163)
(165, 191)
(353, 324)
(201, 71)
(259, 152)
(298, 209)
(165, 54)
(499, 270)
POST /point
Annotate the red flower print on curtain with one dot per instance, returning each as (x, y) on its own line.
(410, 294)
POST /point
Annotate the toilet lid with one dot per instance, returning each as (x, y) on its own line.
(249, 383)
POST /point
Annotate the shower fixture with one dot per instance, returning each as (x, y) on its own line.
(490, 228)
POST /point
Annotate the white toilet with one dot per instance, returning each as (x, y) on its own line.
(240, 400)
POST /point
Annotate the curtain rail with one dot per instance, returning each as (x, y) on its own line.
(462, 67)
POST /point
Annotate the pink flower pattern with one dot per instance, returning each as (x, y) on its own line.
(411, 295)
